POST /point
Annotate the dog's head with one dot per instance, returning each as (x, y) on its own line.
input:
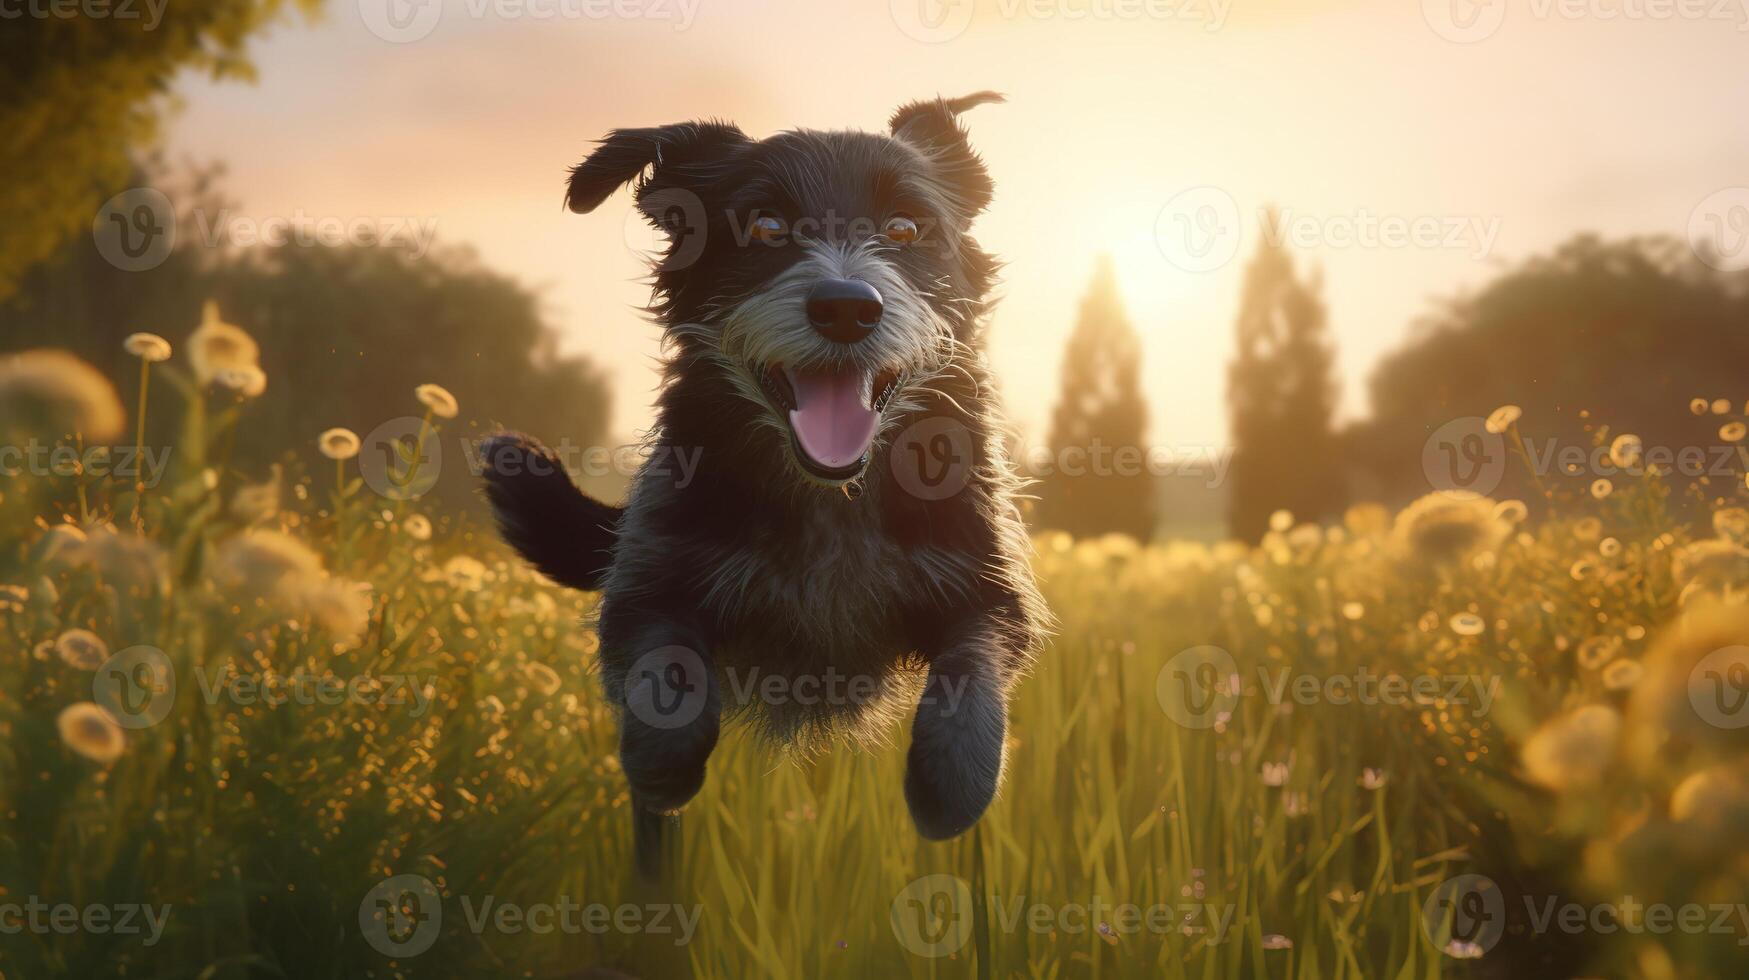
(829, 277)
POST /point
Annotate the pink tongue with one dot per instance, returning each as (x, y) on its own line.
(830, 420)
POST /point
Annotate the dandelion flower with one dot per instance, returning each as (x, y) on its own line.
(1609, 547)
(464, 573)
(1698, 406)
(1601, 487)
(91, 731)
(148, 347)
(67, 387)
(249, 381)
(217, 346)
(1691, 671)
(1595, 651)
(418, 527)
(1373, 779)
(81, 649)
(1626, 451)
(339, 607)
(1623, 674)
(1588, 529)
(1448, 526)
(437, 400)
(542, 678)
(338, 444)
(1574, 749)
(270, 564)
(1721, 406)
(1502, 418)
(1281, 520)
(1733, 431)
(1511, 511)
(1468, 624)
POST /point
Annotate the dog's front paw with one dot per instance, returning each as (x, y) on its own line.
(955, 762)
(670, 726)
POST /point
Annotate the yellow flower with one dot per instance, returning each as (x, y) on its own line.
(1449, 526)
(542, 678)
(465, 573)
(1511, 511)
(1623, 674)
(1468, 624)
(1601, 487)
(1595, 651)
(339, 444)
(1697, 405)
(91, 731)
(1733, 431)
(1711, 563)
(1281, 520)
(147, 347)
(217, 346)
(1721, 406)
(1626, 451)
(81, 649)
(438, 399)
(1502, 418)
(249, 381)
(1573, 749)
(1353, 611)
(418, 527)
(65, 385)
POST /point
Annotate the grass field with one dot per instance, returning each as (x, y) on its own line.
(1402, 747)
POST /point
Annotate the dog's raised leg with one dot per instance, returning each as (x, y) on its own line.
(670, 719)
(959, 735)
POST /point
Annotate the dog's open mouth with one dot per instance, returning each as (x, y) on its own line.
(833, 414)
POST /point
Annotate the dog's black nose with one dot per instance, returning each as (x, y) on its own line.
(844, 310)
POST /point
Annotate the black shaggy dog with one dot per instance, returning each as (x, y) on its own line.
(846, 541)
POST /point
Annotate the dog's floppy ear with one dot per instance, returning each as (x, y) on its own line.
(681, 155)
(933, 126)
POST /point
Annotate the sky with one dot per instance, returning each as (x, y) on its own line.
(1416, 147)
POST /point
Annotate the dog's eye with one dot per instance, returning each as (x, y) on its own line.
(767, 228)
(901, 229)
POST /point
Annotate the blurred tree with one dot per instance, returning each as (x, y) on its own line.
(1597, 334)
(85, 86)
(1099, 481)
(1281, 394)
(346, 334)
